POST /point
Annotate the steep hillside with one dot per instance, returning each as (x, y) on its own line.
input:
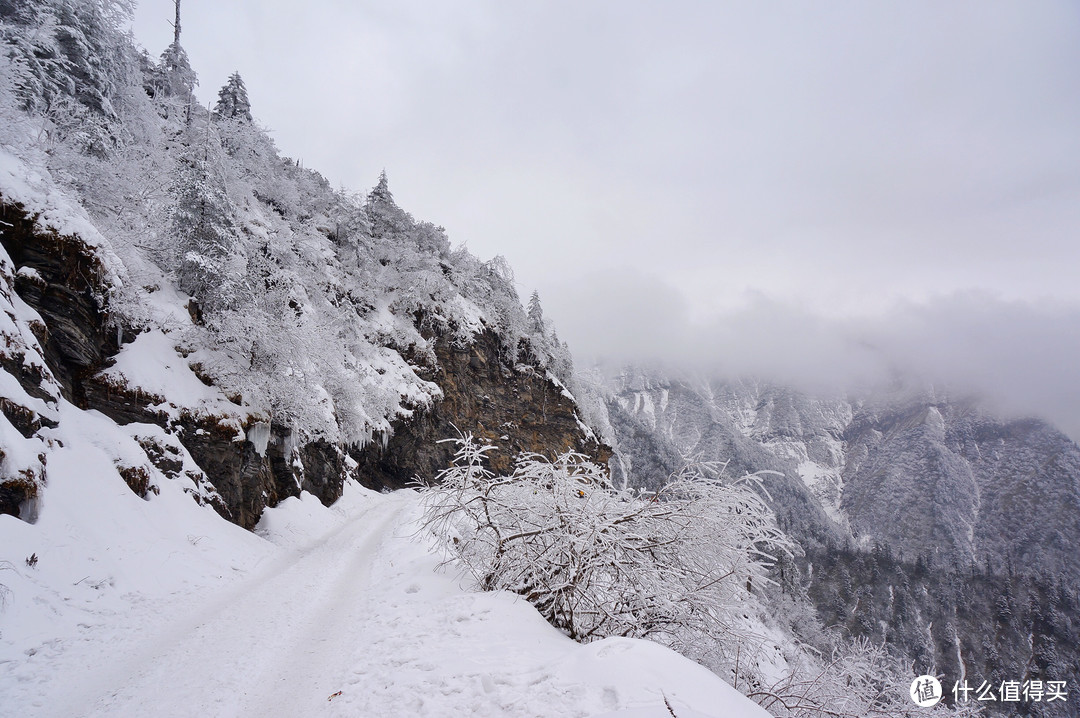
(749, 428)
(167, 266)
(931, 476)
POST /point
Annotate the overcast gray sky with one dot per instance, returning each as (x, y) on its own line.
(766, 185)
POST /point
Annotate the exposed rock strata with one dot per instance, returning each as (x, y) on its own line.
(517, 409)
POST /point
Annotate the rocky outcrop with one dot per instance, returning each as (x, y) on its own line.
(28, 395)
(66, 286)
(515, 408)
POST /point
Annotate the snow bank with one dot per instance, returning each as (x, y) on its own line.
(106, 560)
(159, 607)
(302, 519)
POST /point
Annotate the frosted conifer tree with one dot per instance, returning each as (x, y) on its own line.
(176, 78)
(539, 347)
(204, 228)
(233, 100)
(385, 217)
(536, 314)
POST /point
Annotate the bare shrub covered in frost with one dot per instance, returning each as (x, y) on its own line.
(675, 566)
(681, 567)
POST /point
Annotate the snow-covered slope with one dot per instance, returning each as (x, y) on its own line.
(929, 523)
(160, 607)
(184, 273)
(918, 469)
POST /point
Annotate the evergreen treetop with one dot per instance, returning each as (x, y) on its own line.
(536, 314)
(233, 100)
(385, 217)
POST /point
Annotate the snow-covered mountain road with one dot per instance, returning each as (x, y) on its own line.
(333, 612)
(277, 644)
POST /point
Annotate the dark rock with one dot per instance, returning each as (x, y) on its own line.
(138, 480)
(68, 296)
(165, 459)
(14, 494)
(324, 470)
(18, 494)
(244, 479)
(26, 421)
(516, 409)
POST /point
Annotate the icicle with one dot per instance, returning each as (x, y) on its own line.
(259, 435)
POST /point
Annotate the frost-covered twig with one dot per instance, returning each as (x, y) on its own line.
(597, 561)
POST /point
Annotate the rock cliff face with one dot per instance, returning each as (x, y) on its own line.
(516, 408)
(66, 288)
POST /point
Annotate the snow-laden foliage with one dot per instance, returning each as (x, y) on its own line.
(67, 50)
(684, 567)
(677, 566)
(309, 306)
(859, 680)
(233, 100)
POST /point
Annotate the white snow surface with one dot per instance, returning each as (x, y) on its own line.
(24, 179)
(159, 607)
(151, 365)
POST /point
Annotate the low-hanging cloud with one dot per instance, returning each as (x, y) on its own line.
(1020, 357)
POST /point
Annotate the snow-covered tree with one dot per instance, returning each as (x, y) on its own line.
(683, 567)
(677, 566)
(233, 100)
(384, 216)
(207, 245)
(175, 76)
(536, 315)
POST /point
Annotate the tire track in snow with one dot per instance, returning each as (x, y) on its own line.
(271, 646)
(329, 637)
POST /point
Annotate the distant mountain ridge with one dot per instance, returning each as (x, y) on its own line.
(918, 470)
